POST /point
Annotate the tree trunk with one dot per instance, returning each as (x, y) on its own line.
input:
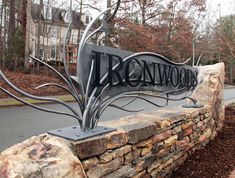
(4, 34)
(26, 26)
(143, 11)
(39, 33)
(1, 30)
(106, 40)
(231, 71)
(79, 22)
(11, 36)
(193, 46)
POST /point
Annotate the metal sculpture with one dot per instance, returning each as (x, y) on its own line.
(105, 75)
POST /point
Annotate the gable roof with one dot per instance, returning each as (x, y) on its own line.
(56, 16)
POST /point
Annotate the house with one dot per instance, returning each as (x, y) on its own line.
(53, 27)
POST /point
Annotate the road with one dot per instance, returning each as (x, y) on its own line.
(18, 124)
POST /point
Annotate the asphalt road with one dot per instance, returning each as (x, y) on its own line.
(18, 124)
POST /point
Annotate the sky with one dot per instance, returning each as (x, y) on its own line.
(226, 7)
(220, 7)
(215, 8)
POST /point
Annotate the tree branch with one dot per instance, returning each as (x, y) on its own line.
(115, 10)
(230, 49)
(90, 6)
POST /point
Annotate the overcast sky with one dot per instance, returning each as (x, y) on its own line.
(226, 7)
(214, 7)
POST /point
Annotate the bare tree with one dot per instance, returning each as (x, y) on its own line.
(26, 14)
(39, 31)
(11, 35)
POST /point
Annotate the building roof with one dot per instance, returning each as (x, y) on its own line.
(57, 17)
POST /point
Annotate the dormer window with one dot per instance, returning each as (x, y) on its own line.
(66, 16)
(86, 17)
(47, 11)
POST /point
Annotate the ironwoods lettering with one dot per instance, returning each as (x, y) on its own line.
(142, 72)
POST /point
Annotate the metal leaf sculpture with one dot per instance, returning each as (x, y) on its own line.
(100, 80)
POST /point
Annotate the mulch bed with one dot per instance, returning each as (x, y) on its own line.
(217, 159)
(28, 82)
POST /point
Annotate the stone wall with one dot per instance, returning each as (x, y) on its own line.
(145, 145)
(150, 144)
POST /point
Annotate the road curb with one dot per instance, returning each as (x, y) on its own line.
(229, 86)
(229, 102)
(9, 102)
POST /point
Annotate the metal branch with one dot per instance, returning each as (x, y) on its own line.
(89, 105)
(89, 81)
(54, 85)
(99, 29)
(57, 85)
(124, 109)
(102, 91)
(124, 96)
(81, 46)
(52, 68)
(174, 91)
(61, 76)
(199, 59)
(36, 97)
(66, 39)
(167, 98)
(131, 101)
(40, 108)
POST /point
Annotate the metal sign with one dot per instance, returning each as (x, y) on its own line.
(111, 72)
(105, 75)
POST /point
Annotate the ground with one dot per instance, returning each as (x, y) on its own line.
(217, 159)
(28, 82)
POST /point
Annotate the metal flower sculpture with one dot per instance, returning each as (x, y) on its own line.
(105, 75)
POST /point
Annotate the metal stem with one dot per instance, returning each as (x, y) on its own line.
(81, 46)
(40, 108)
(36, 97)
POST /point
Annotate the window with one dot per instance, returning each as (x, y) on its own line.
(53, 52)
(67, 17)
(81, 33)
(71, 55)
(41, 54)
(87, 19)
(70, 51)
(47, 11)
(53, 32)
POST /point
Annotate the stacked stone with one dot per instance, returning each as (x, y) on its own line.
(147, 145)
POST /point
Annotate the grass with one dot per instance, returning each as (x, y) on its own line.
(12, 102)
